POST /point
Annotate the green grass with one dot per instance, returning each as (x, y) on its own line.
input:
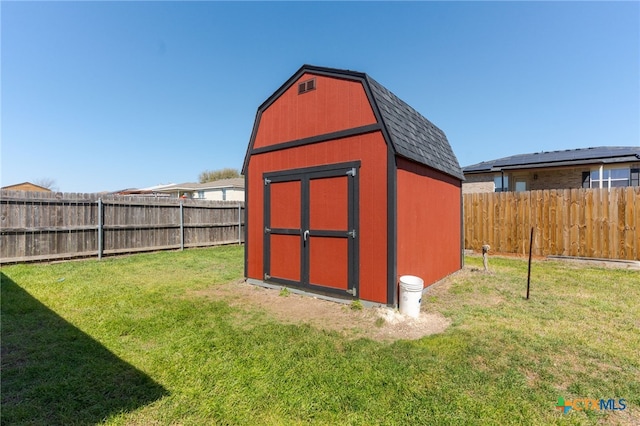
(126, 341)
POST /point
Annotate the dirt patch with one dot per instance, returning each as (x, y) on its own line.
(382, 324)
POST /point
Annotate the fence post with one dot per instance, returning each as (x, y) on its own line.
(239, 224)
(100, 228)
(529, 270)
(181, 225)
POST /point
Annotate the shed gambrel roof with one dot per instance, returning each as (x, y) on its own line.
(410, 134)
(569, 157)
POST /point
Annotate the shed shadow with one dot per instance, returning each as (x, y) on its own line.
(53, 373)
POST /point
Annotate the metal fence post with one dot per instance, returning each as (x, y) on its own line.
(100, 228)
(181, 225)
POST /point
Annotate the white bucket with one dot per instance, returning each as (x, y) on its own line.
(410, 295)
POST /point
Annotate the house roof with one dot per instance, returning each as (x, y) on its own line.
(217, 184)
(410, 134)
(30, 185)
(569, 157)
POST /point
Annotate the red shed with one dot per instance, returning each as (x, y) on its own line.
(347, 189)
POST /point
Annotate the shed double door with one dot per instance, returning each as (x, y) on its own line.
(311, 228)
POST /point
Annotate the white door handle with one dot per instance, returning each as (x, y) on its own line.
(305, 235)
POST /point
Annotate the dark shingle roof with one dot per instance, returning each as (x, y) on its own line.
(569, 157)
(410, 134)
(221, 183)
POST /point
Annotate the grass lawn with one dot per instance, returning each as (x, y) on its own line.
(124, 341)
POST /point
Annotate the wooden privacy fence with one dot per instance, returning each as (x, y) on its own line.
(596, 223)
(37, 226)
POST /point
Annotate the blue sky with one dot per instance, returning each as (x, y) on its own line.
(111, 95)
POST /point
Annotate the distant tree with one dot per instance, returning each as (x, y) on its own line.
(213, 175)
(46, 183)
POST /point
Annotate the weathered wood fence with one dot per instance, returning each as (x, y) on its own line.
(596, 223)
(40, 226)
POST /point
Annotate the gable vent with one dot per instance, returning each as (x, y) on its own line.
(306, 86)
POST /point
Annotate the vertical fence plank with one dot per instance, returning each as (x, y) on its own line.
(590, 223)
(486, 218)
(619, 231)
(562, 222)
(572, 244)
(470, 211)
(498, 209)
(529, 206)
(546, 219)
(512, 239)
(489, 236)
(555, 222)
(580, 223)
(521, 222)
(100, 228)
(536, 210)
(611, 219)
(597, 223)
(181, 225)
(239, 224)
(635, 223)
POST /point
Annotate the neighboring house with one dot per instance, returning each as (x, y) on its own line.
(152, 191)
(221, 190)
(26, 186)
(348, 188)
(600, 167)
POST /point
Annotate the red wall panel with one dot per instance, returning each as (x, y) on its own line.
(429, 222)
(285, 205)
(371, 150)
(285, 257)
(327, 261)
(328, 207)
(334, 105)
